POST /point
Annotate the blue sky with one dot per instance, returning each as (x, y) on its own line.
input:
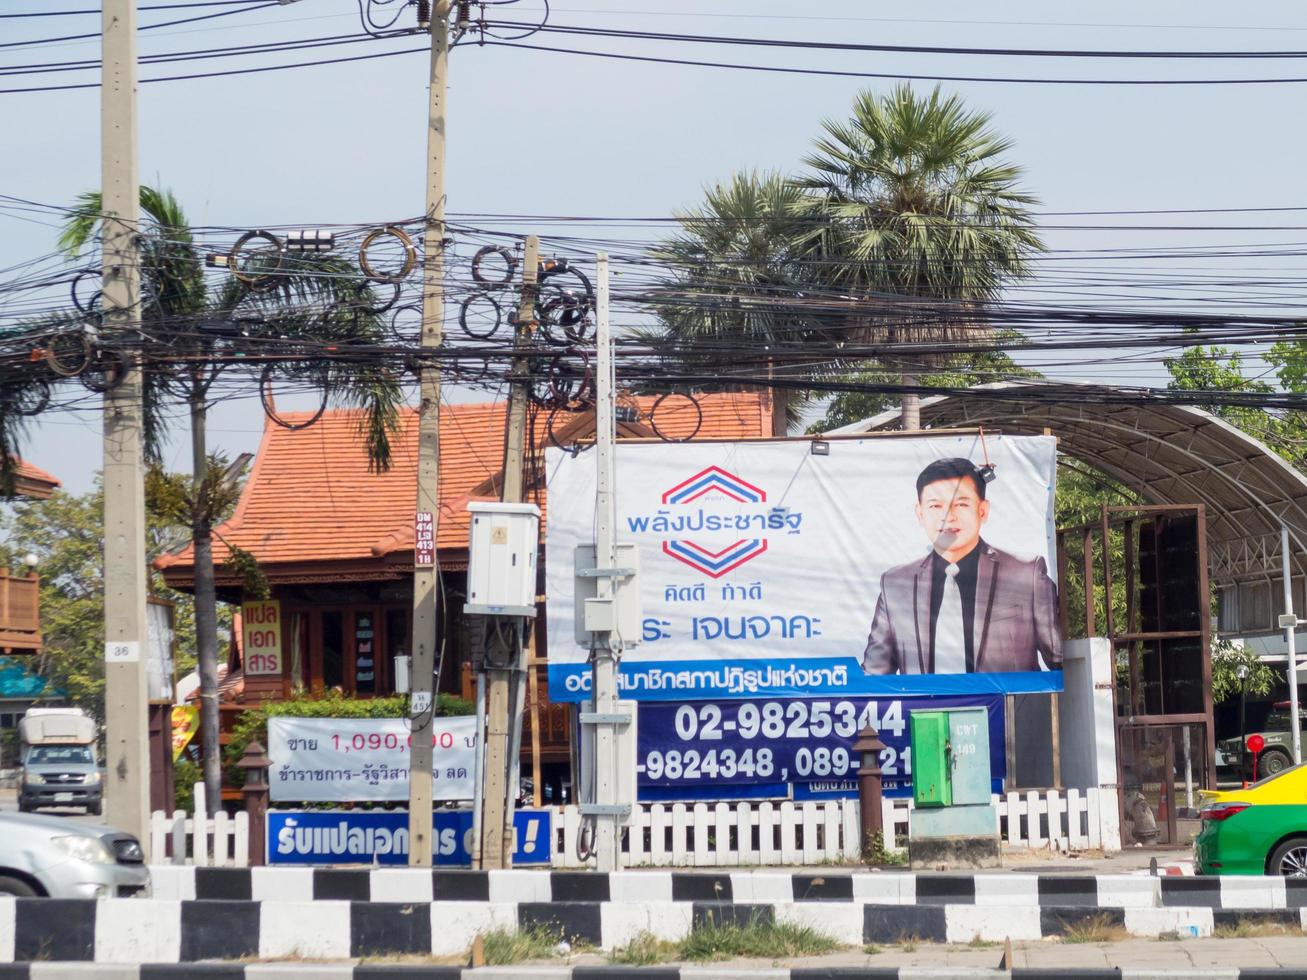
(537, 133)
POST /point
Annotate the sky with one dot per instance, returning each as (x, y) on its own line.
(536, 133)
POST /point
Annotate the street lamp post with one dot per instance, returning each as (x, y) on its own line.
(1242, 673)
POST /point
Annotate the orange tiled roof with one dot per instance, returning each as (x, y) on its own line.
(32, 481)
(310, 497)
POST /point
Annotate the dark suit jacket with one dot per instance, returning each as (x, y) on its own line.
(1015, 617)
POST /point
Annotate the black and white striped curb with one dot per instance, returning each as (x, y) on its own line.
(155, 930)
(401, 971)
(885, 888)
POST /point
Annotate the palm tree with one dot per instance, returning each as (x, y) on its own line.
(734, 271)
(322, 298)
(916, 207)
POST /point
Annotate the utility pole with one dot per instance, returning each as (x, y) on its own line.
(607, 841)
(126, 753)
(426, 640)
(1290, 623)
(505, 658)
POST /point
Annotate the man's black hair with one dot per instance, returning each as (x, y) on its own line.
(951, 469)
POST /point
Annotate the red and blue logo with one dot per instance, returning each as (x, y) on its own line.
(715, 563)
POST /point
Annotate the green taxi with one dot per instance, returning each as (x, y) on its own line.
(1259, 830)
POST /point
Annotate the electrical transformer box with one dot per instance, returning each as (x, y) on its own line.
(501, 573)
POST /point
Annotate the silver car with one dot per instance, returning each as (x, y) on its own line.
(56, 857)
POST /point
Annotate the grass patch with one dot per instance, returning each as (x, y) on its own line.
(503, 947)
(1249, 929)
(645, 949)
(874, 852)
(871, 949)
(1094, 929)
(764, 940)
(978, 943)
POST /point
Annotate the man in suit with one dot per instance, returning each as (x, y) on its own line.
(966, 607)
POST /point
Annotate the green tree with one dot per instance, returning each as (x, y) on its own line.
(910, 200)
(734, 272)
(959, 371)
(1223, 369)
(321, 297)
(66, 533)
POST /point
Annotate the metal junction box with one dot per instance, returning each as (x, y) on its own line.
(932, 777)
(502, 548)
(954, 822)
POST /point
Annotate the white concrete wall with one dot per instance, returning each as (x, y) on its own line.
(1086, 723)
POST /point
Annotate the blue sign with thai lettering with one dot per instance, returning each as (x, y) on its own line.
(802, 741)
(381, 836)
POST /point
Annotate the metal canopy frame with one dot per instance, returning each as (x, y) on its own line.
(1165, 454)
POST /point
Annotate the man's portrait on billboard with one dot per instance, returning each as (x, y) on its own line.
(966, 607)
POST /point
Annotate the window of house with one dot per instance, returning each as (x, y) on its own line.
(333, 650)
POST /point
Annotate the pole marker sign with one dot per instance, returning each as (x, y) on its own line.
(892, 567)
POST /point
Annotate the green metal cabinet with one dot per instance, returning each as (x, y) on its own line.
(932, 776)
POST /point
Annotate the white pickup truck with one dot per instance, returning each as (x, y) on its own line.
(59, 764)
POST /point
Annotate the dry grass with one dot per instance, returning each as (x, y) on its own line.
(1095, 929)
(1250, 929)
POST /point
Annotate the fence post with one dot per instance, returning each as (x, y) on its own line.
(255, 762)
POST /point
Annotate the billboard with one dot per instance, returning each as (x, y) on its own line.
(890, 566)
(695, 750)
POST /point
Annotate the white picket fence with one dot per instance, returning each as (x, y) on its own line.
(220, 842)
(767, 833)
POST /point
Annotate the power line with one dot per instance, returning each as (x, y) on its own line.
(898, 76)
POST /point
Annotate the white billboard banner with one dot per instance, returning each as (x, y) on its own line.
(891, 565)
(331, 760)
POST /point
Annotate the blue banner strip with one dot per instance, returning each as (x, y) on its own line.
(700, 680)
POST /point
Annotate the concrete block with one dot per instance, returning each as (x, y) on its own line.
(401, 885)
(175, 881)
(281, 884)
(1252, 893)
(138, 930)
(842, 921)
(309, 930)
(992, 923)
(640, 886)
(455, 924)
(1129, 891)
(7, 925)
(1187, 923)
(621, 922)
(885, 888)
(762, 886)
(520, 886)
(1007, 890)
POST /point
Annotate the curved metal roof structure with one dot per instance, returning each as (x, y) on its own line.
(1167, 454)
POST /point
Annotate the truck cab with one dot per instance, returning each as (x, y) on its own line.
(59, 760)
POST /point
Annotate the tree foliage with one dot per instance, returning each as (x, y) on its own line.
(1228, 659)
(66, 533)
(908, 199)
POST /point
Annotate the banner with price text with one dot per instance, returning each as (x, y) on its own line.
(337, 760)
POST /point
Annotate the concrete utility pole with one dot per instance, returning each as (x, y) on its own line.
(426, 640)
(503, 661)
(608, 841)
(1290, 622)
(126, 752)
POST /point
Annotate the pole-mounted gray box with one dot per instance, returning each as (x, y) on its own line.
(624, 614)
(501, 570)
